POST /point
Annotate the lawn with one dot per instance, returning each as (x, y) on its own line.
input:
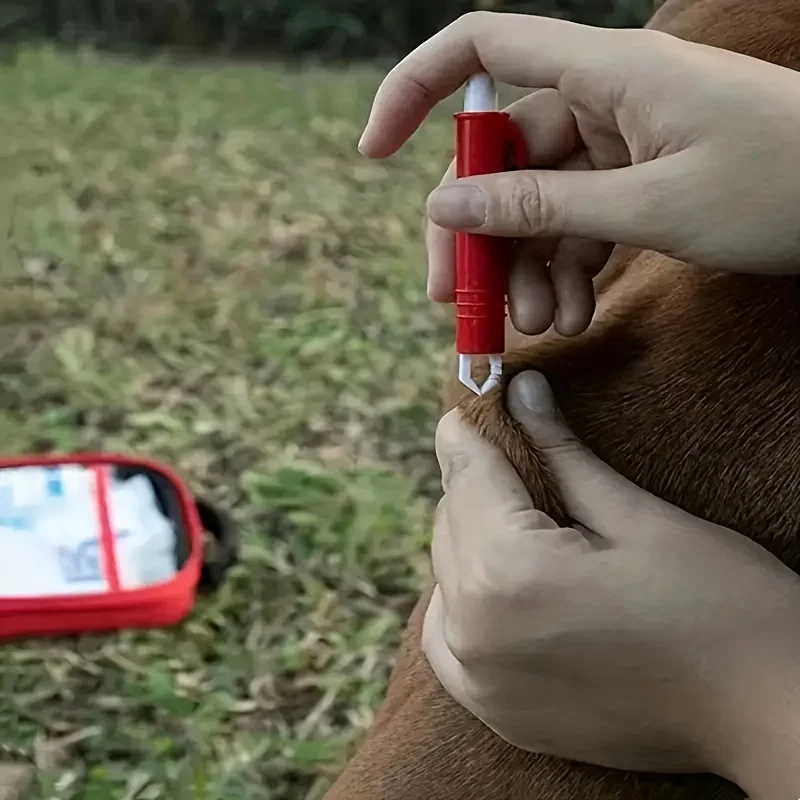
(198, 266)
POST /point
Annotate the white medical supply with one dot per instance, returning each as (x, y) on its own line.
(51, 531)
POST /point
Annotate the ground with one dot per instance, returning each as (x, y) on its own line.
(198, 266)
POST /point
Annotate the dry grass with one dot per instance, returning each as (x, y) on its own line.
(196, 265)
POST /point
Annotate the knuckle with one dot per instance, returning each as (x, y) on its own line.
(648, 38)
(464, 645)
(457, 465)
(531, 206)
(473, 21)
(467, 631)
(570, 538)
(483, 691)
(524, 205)
(555, 545)
(639, 45)
(560, 444)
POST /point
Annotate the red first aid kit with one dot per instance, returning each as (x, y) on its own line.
(102, 542)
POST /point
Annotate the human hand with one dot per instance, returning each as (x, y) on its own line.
(641, 638)
(635, 137)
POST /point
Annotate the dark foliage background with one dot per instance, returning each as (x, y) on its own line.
(324, 28)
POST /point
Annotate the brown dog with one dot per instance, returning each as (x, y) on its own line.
(688, 383)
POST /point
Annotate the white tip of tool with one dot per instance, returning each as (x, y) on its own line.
(480, 93)
(465, 374)
(492, 382)
(495, 374)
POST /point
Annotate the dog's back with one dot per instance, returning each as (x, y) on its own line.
(687, 382)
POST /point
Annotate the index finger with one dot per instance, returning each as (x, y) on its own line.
(518, 49)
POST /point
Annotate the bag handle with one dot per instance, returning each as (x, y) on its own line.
(226, 551)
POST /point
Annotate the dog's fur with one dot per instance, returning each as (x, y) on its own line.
(688, 383)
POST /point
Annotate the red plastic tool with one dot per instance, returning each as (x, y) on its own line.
(485, 139)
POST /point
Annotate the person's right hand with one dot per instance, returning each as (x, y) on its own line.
(635, 137)
(638, 637)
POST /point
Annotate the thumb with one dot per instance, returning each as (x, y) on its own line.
(560, 203)
(594, 494)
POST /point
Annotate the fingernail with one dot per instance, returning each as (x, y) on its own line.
(532, 391)
(361, 143)
(458, 206)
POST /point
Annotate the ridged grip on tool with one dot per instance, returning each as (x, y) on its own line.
(484, 141)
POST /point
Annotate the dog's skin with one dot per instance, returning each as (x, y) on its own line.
(688, 383)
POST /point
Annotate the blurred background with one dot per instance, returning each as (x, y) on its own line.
(329, 28)
(197, 266)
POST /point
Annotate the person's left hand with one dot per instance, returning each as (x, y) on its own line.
(640, 638)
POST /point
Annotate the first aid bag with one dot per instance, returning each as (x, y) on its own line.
(101, 542)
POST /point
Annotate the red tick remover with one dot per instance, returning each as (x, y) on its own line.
(486, 140)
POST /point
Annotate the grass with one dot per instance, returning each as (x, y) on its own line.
(197, 266)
